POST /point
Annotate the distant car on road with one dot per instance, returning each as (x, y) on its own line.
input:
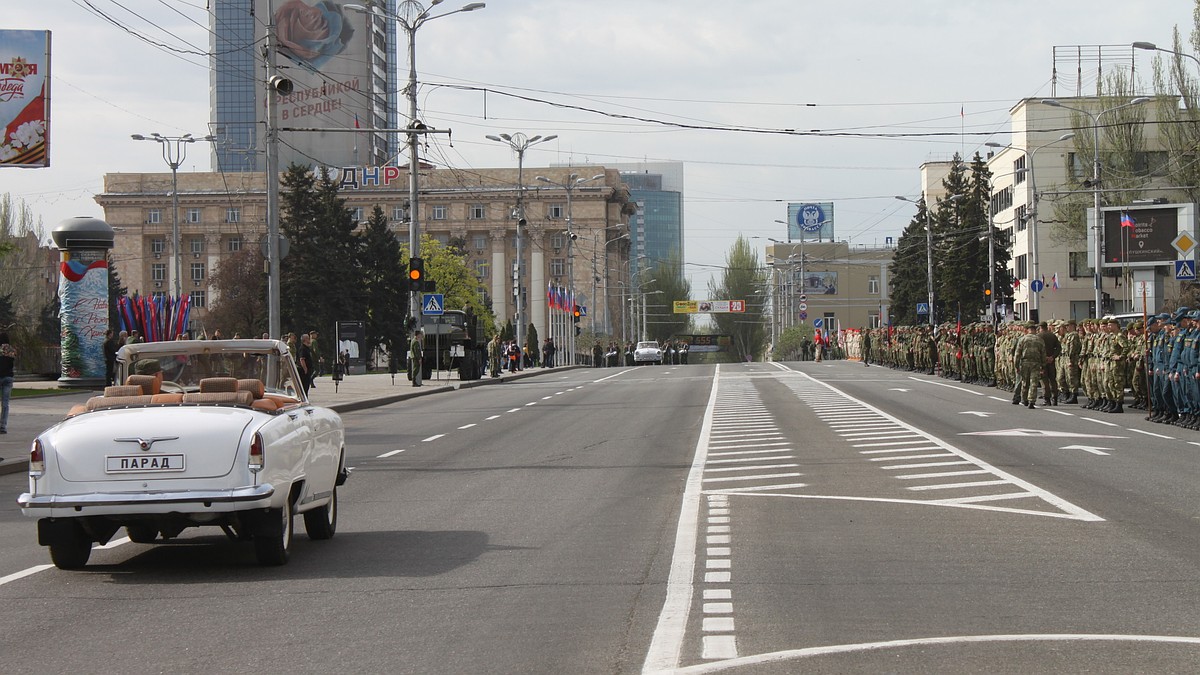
(201, 433)
(647, 352)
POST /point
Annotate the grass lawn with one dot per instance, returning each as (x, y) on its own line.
(18, 392)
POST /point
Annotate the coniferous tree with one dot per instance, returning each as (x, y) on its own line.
(908, 272)
(386, 290)
(116, 291)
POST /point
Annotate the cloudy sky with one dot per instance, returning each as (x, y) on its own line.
(942, 75)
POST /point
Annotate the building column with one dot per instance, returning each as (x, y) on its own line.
(501, 276)
(537, 279)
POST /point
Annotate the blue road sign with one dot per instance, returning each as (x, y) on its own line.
(1037, 285)
(583, 310)
(1185, 270)
(433, 304)
(922, 308)
(804, 315)
(817, 323)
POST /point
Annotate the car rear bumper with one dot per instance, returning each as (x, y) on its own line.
(198, 498)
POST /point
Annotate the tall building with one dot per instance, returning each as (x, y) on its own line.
(344, 73)
(656, 230)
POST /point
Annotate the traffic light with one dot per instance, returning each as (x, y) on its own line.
(578, 330)
(416, 273)
(575, 315)
(987, 292)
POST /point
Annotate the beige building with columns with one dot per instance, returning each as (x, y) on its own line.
(221, 213)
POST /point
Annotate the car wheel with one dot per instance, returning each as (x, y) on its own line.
(272, 547)
(142, 534)
(321, 522)
(71, 549)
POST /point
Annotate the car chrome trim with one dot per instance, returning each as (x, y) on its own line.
(242, 494)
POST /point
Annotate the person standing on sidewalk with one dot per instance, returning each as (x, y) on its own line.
(304, 360)
(8, 356)
(415, 353)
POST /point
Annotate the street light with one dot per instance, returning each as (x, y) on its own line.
(1034, 245)
(174, 151)
(1150, 46)
(519, 143)
(410, 16)
(573, 181)
(1097, 222)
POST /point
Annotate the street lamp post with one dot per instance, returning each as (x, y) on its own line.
(174, 151)
(1097, 222)
(519, 143)
(411, 15)
(573, 181)
(1034, 245)
(1150, 46)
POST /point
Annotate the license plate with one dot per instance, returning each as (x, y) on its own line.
(143, 463)
(457, 351)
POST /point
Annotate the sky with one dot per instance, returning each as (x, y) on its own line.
(629, 81)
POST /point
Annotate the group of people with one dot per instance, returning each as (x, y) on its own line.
(1157, 362)
(675, 352)
(511, 356)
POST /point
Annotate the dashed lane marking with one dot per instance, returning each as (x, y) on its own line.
(391, 453)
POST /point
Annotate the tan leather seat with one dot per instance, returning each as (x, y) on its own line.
(150, 384)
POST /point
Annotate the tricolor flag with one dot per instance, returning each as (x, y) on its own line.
(1054, 281)
(1127, 220)
(550, 294)
(356, 121)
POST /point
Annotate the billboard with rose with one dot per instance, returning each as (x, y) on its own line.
(24, 98)
(324, 49)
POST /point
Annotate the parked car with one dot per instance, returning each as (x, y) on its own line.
(200, 433)
(647, 352)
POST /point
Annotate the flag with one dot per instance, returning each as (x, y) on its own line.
(1054, 281)
(1127, 220)
(550, 294)
(1016, 284)
(356, 121)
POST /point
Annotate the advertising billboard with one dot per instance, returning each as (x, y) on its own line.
(818, 283)
(324, 49)
(24, 98)
(1141, 236)
(811, 221)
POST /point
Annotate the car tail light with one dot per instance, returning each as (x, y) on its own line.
(37, 459)
(257, 451)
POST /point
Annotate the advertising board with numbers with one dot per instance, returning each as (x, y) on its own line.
(699, 344)
(709, 306)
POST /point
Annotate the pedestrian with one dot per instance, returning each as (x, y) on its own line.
(495, 351)
(304, 361)
(416, 357)
(1049, 378)
(8, 357)
(1029, 357)
(111, 345)
(548, 350)
(866, 347)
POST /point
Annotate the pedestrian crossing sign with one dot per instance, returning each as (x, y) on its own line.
(1185, 270)
(922, 308)
(433, 304)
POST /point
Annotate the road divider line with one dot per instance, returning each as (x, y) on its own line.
(466, 426)
(1151, 433)
(391, 453)
(432, 438)
(17, 576)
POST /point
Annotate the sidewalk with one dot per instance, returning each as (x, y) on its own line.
(354, 392)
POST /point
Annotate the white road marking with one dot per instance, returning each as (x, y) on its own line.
(953, 486)
(747, 459)
(941, 474)
(895, 450)
(1093, 419)
(889, 443)
(1086, 448)
(391, 453)
(1151, 433)
(760, 467)
(929, 456)
(949, 386)
(1002, 400)
(762, 477)
(432, 438)
(16, 576)
(1059, 412)
(514, 410)
(493, 417)
(466, 426)
(717, 594)
(530, 403)
(755, 445)
(745, 452)
(112, 544)
(923, 465)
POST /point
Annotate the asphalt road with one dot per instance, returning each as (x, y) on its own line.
(753, 518)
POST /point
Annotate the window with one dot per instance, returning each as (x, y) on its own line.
(1002, 200)
(158, 272)
(192, 216)
(480, 241)
(439, 213)
(1021, 267)
(233, 214)
(476, 212)
(198, 298)
(398, 214)
(1077, 261)
(1019, 171)
(233, 244)
(481, 269)
(356, 214)
(1022, 218)
(873, 288)
(557, 267)
(197, 245)
(873, 320)
(198, 271)
(558, 241)
(159, 295)
(157, 246)
(154, 216)
(556, 211)
(831, 322)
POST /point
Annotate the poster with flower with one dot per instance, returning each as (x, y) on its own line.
(24, 98)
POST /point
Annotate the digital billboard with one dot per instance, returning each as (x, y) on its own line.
(1141, 236)
(810, 221)
(24, 98)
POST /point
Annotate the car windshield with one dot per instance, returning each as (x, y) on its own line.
(647, 345)
(186, 362)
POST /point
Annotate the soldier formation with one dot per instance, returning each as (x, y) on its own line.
(1156, 362)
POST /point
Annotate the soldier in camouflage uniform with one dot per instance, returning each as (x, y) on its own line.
(1068, 362)
(1029, 356)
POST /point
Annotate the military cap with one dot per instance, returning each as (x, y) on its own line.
(1194, 314)
(1181, 312)
(147, 367)
(1071, 322)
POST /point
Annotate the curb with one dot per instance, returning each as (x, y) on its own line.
(11, 465)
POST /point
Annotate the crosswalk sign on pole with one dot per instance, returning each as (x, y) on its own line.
(922, 308)
(1185, 270)
(433, 304)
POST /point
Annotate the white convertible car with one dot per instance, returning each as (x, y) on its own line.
(202, 432)
(647, 352)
